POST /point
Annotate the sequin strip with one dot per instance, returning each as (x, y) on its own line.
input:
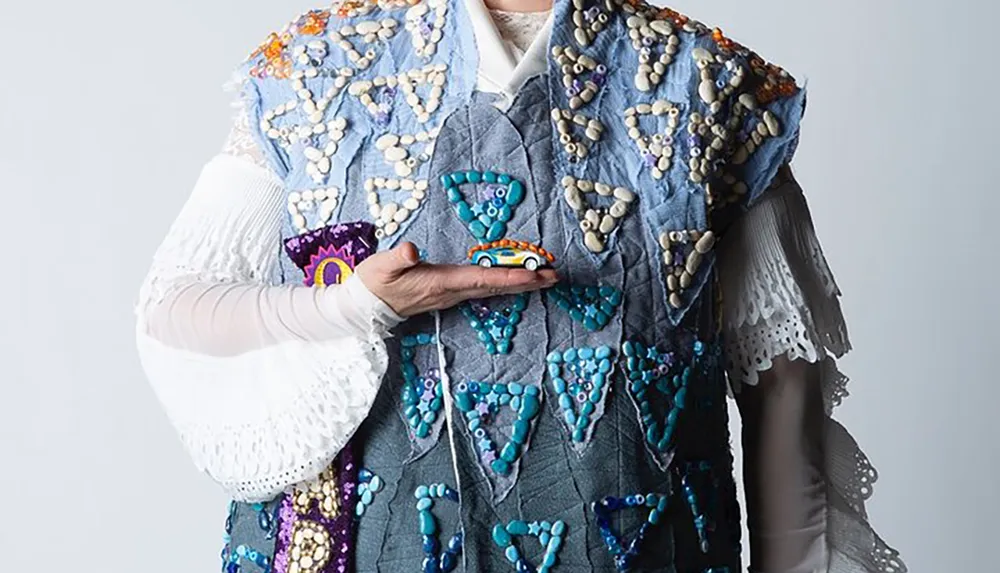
(436, 560)
(549, 535)
(316, 522)
(625, 558)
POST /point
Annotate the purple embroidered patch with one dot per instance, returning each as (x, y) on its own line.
(329, 254)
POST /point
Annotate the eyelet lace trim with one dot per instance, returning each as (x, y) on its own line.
(781, 299)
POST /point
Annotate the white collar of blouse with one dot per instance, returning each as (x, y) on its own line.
(499, 72)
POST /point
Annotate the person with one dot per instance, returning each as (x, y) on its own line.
(481, 278)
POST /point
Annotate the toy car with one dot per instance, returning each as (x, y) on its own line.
(507, 253)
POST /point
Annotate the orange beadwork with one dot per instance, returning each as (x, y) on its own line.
(314, 23)
(523, 245)
(276, 62)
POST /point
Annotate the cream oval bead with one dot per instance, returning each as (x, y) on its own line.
(618, 209)
(593, 242)
(608, 224)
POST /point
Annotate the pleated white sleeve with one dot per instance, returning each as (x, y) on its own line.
(806, 478)
(264, 383)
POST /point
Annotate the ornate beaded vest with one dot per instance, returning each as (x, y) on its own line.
(579, 429)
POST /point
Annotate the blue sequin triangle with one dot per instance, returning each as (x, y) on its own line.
(580, 378)
(625, 557)
(549, 535)
(592, 306)
(495, 328)
(481, 402)
(493, 205)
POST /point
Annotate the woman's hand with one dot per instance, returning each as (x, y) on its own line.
(411, 287)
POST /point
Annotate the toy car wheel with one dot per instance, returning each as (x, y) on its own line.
(485, 262)
(531, 264)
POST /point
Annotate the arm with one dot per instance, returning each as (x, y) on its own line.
(265, 383)
(806, 480)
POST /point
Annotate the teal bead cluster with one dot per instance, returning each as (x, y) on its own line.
(423, 399)
(649, 372)
(592, 306)
(480, 402)
(625, 556)
(436, 560)
(487, 218)
(549, 535)
(580, 378)
(368, 485)
(495, 328)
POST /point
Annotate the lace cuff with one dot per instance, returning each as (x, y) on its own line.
(265, 420)
(779, 294)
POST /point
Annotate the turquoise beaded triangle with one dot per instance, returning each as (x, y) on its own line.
(550, 535)
(487, 216)
(422, 392)
(580, 378)
(658, 383)
(625, 556)
(495, 328)
(591, 306)
(481, 402)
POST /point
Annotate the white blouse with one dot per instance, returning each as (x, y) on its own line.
(265, 383)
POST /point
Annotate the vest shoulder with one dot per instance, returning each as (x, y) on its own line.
(657, 37)
(351, 37)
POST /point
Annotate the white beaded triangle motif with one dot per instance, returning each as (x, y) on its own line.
(567, 124)
(390, 216)
(596, 223)
(656, 150)
(370, 32)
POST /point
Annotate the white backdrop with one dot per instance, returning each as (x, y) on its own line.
(109, 107)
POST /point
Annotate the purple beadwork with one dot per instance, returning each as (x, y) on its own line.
(341, 528)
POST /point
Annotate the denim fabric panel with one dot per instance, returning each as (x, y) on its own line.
(763, 165)
(388, 535)
(247, 529)
(393, 56)
(481, 138)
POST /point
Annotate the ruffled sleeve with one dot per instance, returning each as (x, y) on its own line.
(265, 383)
(781, 305)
